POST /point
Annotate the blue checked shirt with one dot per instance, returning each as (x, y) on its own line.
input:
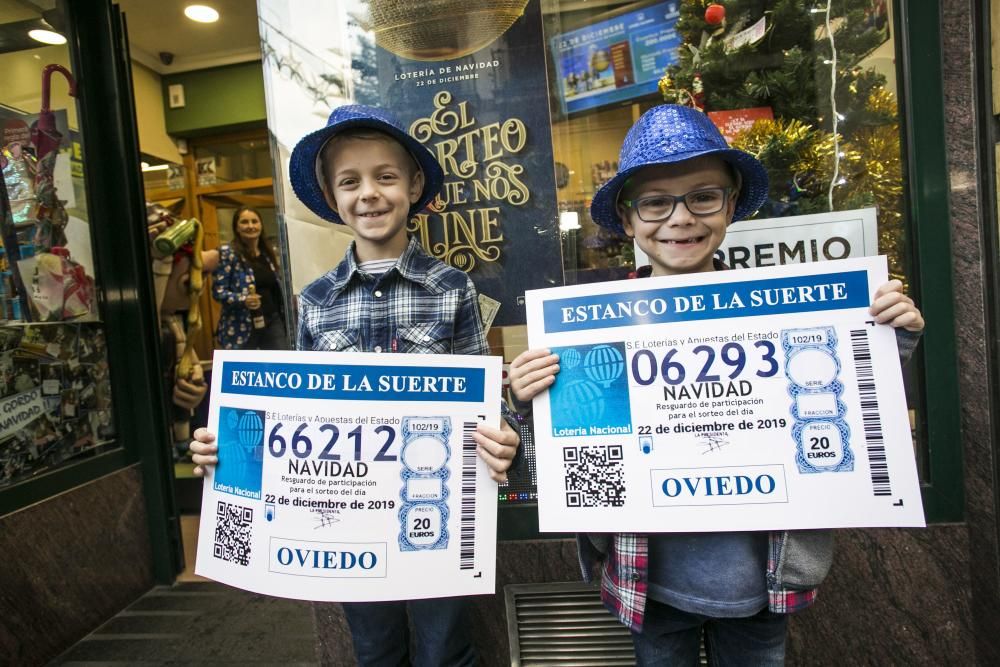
(418, 305)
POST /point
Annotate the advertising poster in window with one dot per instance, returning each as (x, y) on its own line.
(476, 95)
(617, 59)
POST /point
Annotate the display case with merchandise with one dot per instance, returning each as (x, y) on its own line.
(55, 391)
(79, 390)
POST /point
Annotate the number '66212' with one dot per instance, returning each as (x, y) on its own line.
(299, 443)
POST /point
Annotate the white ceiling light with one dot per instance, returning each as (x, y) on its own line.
(201, 13)
(46, 37)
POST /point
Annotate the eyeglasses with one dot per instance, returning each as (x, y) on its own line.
(658, 208)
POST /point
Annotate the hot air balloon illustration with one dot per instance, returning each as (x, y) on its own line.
(570, 358)
(604, 364)
(250, 433)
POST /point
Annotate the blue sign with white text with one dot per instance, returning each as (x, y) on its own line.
(350, 382)
(776, 296)
(617, 59)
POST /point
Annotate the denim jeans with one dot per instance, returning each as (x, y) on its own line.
(381, 633)
(673, 637)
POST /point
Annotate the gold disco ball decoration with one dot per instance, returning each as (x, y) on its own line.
(441, 29)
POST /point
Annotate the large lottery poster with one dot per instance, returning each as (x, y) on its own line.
(473, 90)
(350, 477)
(761, 399)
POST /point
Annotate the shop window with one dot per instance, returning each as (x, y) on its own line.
(828, 131)
(811, 88)
(55, 393)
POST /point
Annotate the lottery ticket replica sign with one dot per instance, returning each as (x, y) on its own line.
(736, 400)
(816, 237)
(350, 477)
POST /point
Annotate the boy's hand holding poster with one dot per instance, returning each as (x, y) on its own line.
(350, 477)
(733, 400)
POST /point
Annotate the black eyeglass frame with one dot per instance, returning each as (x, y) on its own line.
(636, 203)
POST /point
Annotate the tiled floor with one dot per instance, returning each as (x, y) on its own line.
(200, 622)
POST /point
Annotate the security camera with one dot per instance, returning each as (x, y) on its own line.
(166, 57)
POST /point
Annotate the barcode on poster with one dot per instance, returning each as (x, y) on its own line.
(870, 417)
(233, 531)
(595, 476)
(467, 523)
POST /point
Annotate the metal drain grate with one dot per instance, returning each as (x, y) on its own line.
(564, 624)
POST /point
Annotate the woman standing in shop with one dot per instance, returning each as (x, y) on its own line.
(247, 285)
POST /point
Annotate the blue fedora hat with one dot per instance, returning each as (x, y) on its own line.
(304, 166)
(672, 133)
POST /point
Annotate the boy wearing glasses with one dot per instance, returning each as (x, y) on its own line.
(678, 188)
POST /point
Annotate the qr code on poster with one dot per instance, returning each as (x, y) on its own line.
(595, 476)
(233, 529)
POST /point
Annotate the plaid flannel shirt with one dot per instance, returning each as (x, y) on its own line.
(419, 305)
(625, 561)
(625, 578)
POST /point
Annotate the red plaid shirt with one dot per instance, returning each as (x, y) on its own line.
(625, 579)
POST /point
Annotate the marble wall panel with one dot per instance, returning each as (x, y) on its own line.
(893, 597)
(69, 564)
(968, 220)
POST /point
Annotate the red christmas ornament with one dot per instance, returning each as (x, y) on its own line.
(715, 14)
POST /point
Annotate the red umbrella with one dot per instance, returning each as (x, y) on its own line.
(50, 217)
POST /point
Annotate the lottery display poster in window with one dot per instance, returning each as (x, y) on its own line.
(761, 399)
(350, 477)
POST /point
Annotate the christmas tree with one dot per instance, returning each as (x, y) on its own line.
(833, 142)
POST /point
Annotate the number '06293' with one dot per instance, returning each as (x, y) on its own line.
(673, 367)
(295, 440)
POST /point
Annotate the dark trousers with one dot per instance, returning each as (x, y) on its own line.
(382, 635)
(271, 337)
(673, 637)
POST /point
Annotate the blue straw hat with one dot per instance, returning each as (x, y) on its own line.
(305, 170)
(671, 133)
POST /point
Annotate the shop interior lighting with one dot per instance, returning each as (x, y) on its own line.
(46, 36)
(569, 220)
(156, 167)
(201, 13)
